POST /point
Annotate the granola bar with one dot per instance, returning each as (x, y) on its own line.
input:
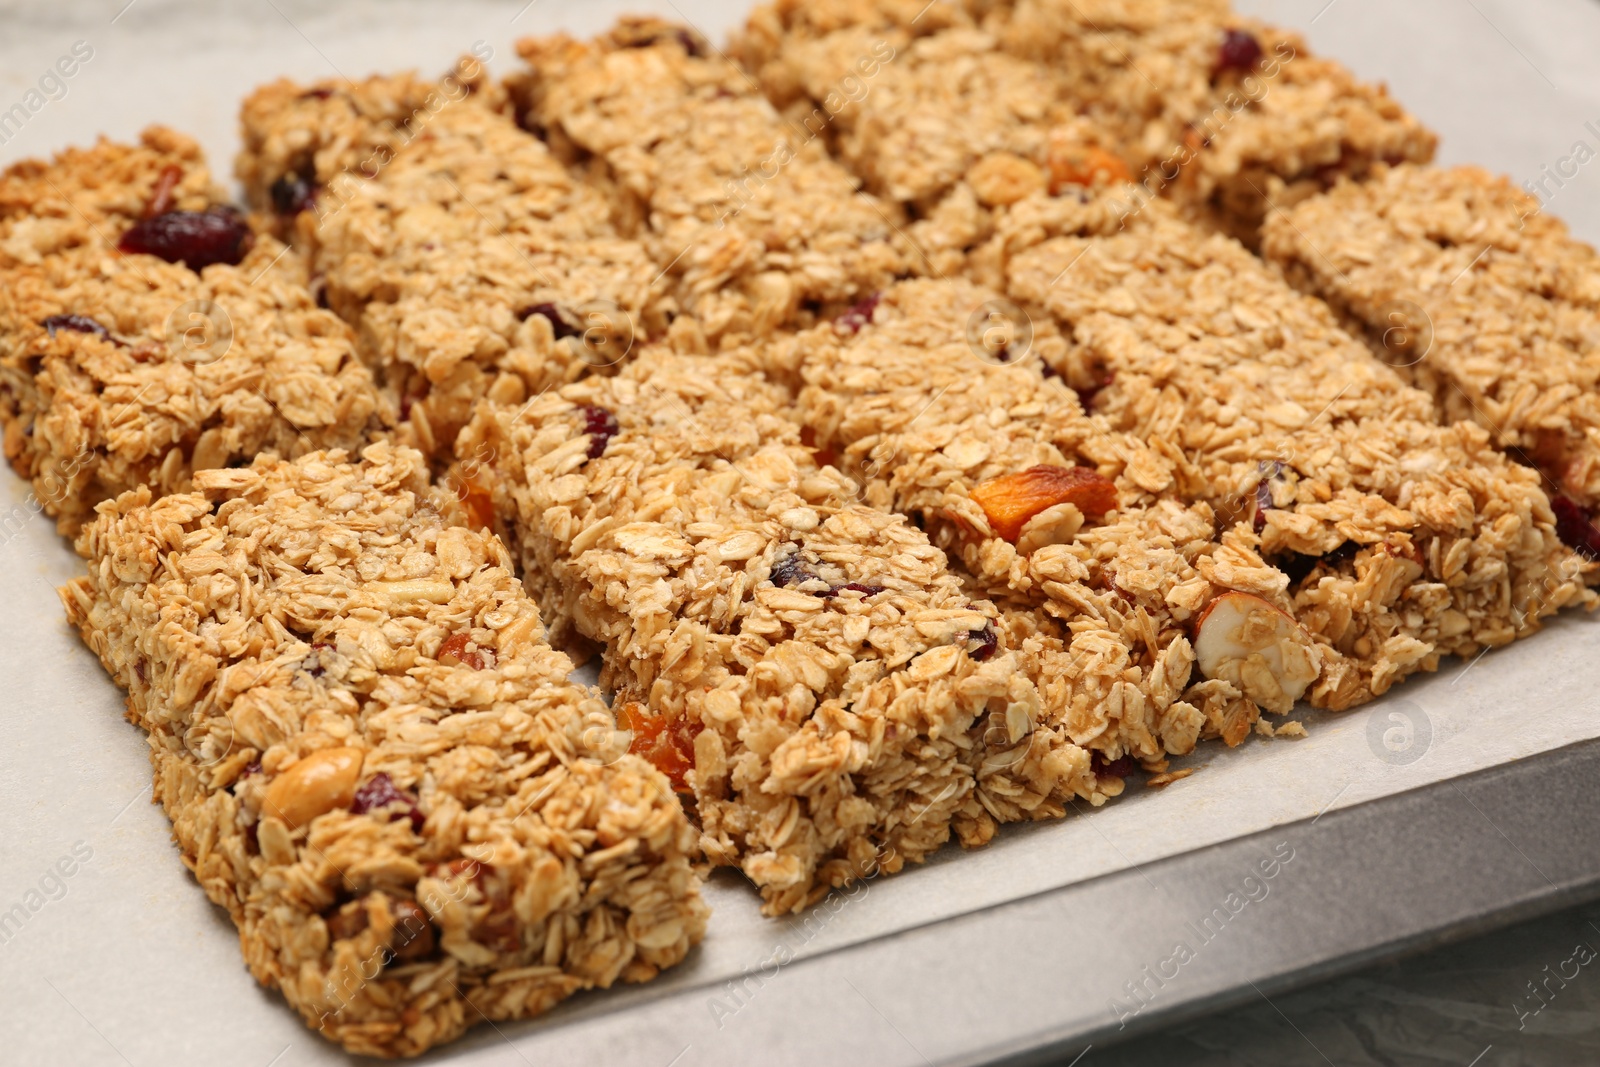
(370, 756)
(1400, 540)
(932, 114)
(1111, 556)
(1489, 305)
(805, 664)
(1225, 113)
(468, 259)
(122, 368)
(756, 226)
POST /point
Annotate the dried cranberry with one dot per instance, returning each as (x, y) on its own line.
(1574, 527)
(859, 587)
(79, 323)
(558, 321)
(1087, 394)
(197, 239)
(317, 670)
(1117, 768)
(601, 426)
(292, 194)
(316, 94)
(1270, 472)
(1239, 51)
(253, 767)
(988, 640)
(379, 792)
(860, 313)
(791, 570)
(1297, 565)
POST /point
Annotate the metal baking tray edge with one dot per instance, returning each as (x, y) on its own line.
(1045, 977)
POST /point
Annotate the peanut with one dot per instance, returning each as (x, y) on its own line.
(319, 783)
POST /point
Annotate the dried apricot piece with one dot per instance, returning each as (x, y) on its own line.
(1011, 500)
(667, 745)
(460, 650)
(1085, 165)
(476, 501)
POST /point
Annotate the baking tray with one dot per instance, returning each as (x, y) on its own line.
(1460, 801)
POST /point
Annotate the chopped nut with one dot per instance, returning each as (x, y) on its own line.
(319, 783)
(1003, 178)
(1011, 500)
(1243, 639)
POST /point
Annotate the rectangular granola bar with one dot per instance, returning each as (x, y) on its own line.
(756, 226)
(1225, 113)
(1457, 279)
(1082, 533)
(370, 756)
(122, 368)
(804, 663)
(467, 258)
(1401, 540)
(930, 114)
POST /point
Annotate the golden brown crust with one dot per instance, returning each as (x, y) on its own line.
(1430, 542)
(469, 261)
(1226, 143)
(845, 702)
(407, 841)
(750, 219)
(1507, 298)
(166, 370)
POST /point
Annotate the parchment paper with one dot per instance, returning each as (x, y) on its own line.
(122, 960)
